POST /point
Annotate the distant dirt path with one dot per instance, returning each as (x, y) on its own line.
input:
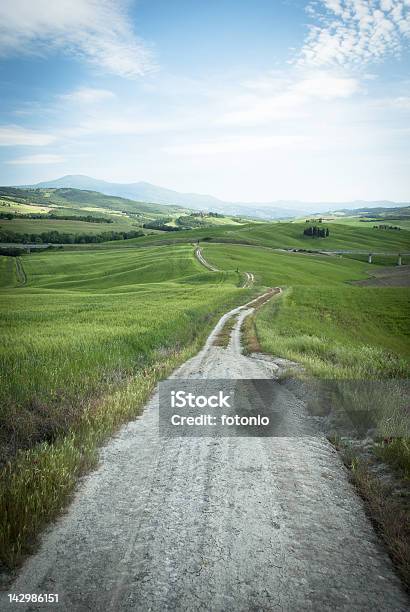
(216, 524)
(202, 260)
(20, 272)
(249, 277)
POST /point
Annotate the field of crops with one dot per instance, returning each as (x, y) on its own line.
(37, 226)
(87, 332)
(290, 235)
(84, 341)
(336, 329)
(28, 211)
(285, 269)
(85, 319)
(340, 332)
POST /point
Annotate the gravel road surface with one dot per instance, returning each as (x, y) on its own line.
(202, 260)
(215, 523)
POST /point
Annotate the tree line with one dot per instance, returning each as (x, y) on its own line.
(86, 218)
(316, 232)
(387, 227)
(54, 237)
(160, 224)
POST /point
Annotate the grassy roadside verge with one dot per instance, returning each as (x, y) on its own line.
(250, 338)
(341, 333)
(387, 504)
(37, 484)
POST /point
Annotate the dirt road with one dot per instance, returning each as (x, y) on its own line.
(20, 272)
(216, 523)
(202, 260)
(249, 278)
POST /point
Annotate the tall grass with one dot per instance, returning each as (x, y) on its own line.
(340, 332)
(349, 333)
(36, 484)
(84, 344)
(285, 269)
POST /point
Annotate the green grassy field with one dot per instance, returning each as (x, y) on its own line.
(356, 221)
(342, 237)
(37, 226)
(336, 329)
(124, 214)
(81, 199)
(339, 331)
(380, 260)
(86, 318)
(88, 331)
(8, 277)
(84, 342)
(290, 235)
(284, 269)
(347, 233)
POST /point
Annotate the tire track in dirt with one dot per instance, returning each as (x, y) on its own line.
(202, 260)
(20, 272)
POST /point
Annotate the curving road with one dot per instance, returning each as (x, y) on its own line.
(249, 277)
(216, 523)
(203, 261)
(249, 280)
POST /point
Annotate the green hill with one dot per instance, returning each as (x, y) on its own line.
(290, 236)
(80, 198)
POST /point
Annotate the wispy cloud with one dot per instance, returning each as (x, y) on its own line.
(15, 135)
(97, 30)
(37, 159)
(244, 144)
(88, 95)
(355, 32)
(272, 99)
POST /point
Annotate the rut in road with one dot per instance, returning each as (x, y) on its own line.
(216, 523)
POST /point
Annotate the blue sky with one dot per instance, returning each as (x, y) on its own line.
(246, 100)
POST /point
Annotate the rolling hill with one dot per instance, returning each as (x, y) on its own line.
(143, 191)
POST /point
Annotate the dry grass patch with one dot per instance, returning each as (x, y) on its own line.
(388, 506)
(224, 336)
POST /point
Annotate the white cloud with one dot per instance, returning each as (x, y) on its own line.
(355, 32)
(97, 30)
(37, 159)
(87, 95)
(285, 99)
(326, 86)
(15, 135)
(399, 103)
(244, 144)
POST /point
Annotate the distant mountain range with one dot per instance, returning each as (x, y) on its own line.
(146, 192)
